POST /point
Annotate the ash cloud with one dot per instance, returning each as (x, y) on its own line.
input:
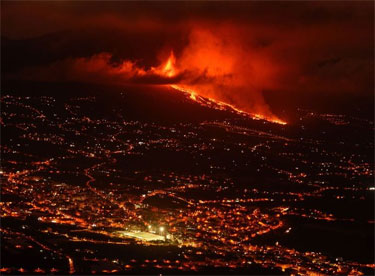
(99, 68)
(300, 50)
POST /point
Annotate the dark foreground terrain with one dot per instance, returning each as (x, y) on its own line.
(143, 180)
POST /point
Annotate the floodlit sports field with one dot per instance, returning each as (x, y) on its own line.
(146, 236)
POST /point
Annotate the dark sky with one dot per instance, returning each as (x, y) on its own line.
(306, 50)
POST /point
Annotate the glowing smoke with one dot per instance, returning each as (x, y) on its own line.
(217, 65)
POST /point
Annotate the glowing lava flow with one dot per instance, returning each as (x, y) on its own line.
(169, 70)
(193, 95)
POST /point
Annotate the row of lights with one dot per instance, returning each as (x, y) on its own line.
(161, 228)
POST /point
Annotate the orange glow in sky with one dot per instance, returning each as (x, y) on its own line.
(168, 69)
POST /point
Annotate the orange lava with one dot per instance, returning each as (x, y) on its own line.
(169, 69)
(194, 95)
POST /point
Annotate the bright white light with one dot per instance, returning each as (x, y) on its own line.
(149, 227)
(161, 228)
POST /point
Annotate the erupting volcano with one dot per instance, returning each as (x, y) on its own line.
(169, 69)
(187, 137)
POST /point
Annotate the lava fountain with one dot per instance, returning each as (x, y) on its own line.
(169, 69)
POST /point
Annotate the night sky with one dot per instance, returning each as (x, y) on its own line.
(215, 137)
(260, 56)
